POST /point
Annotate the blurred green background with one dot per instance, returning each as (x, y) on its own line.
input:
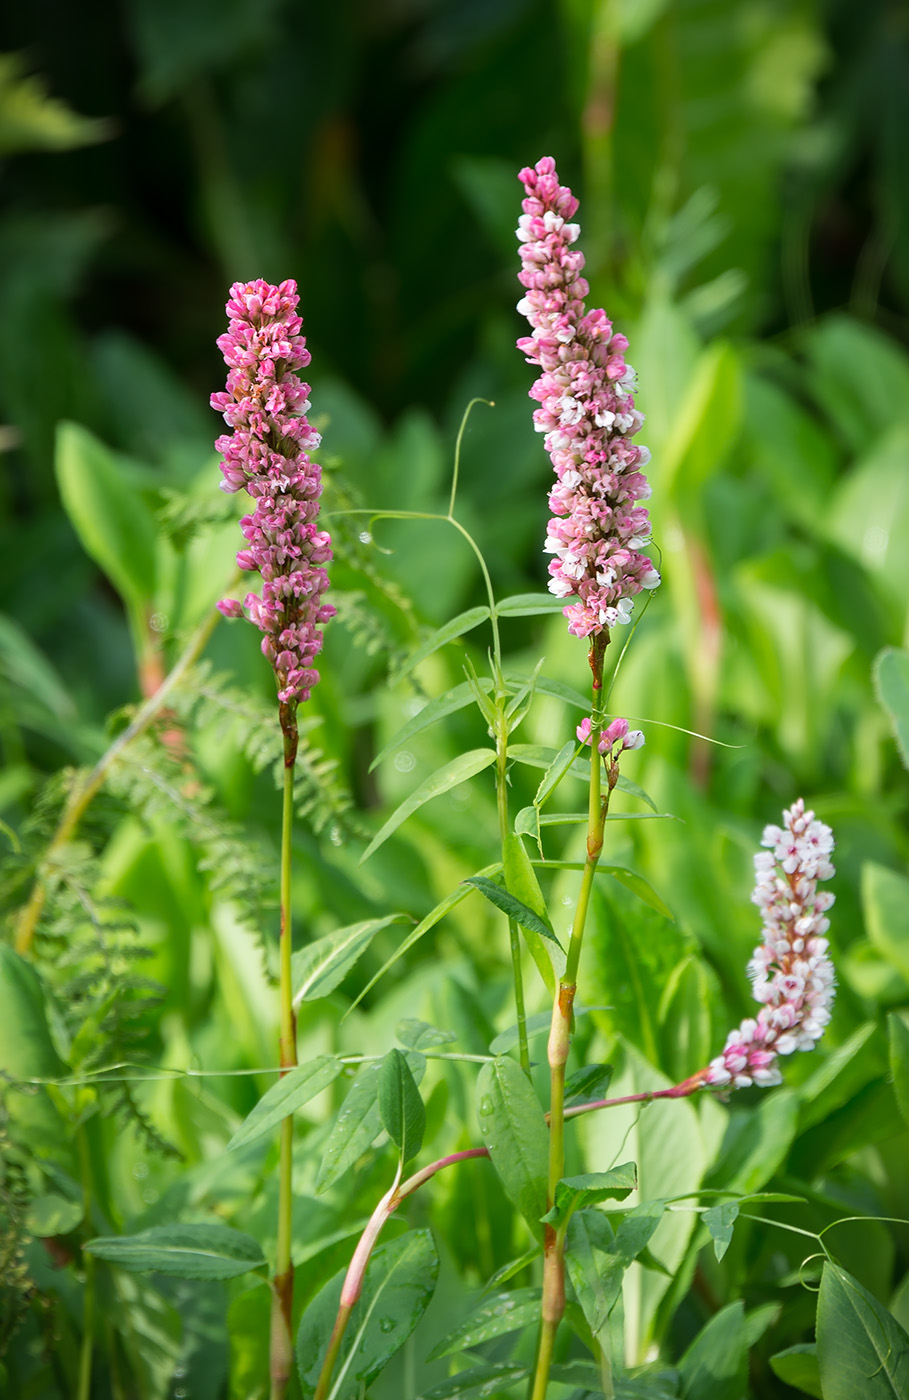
(743, 171)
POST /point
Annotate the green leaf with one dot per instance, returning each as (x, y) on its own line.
(891, 680)
(715, 1366)
(529, 605)
(506, 1040)
(521, 881)
(32, 120)
(26, 1048)
(798, 1367)
(317, 969)
(400, 1106)
(457, 699)
(595, 1273)
(359, 1122)
(113, 523)
(492, 1379)
(558, 690)
(514, 1129)
(464, 622)
(514, 1266)
(756, 1143)
(861, 1348)
(591, 1082)
(511, 906)
(885, 900)
(291, 1092)
(450, 775)
(637, 1229)
(419, 1035)
(183, 1251)
(626, 785)
(22, 664)
(578, 1192)
(498, 1314)
(639, 886)
(899, 1061)
(555, 773)
(400, 1281)
(720, 1221)
(53, 1215)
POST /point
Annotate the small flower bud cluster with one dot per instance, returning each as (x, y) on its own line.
(790, 971)
(586, 398)
(267, 454)
(616, 736)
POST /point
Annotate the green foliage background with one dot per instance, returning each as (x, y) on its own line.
(744, 180)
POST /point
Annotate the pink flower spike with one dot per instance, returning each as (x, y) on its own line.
(267, 454)
(586, 409)
(791, 974)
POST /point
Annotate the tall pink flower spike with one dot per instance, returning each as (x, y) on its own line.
(586, 398)
(267, 454)
(790, 971)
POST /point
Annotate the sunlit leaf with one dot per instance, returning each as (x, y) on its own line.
(291, 1092)
(450, 775)
(183, 1251)
(318, 968)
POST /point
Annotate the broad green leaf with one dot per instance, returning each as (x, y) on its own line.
(291, 1092)
(595, 1273)
(529, 605)
(720, 1221)
(578, 1192)
(891, 679)
(861, 1348)
(359, 1122)
(715, 1366)
(53, 1215)
(400, 1281)
(684, 1020)
(757, 1142)
(419, 1035)
(110, 517)
(511, 906)
(588, 1083)
(885, 899)
(899, 1061)
(400, 1106)
(183, 1251)
(514, 1129)
(26, 1048)
(464, 622)
(637, 1229)
(450, 775)
(798, 1367)
(430, 921)
(317, 969)
(521, 881)
(457, 699)
(498, 1314)
(494, 1378)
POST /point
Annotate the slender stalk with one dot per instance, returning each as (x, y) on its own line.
(553, 1305)
(85, 790)
(281, 1360)
(514, 937)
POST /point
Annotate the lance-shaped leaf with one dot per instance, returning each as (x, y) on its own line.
(495, 1378)
(318, 968)
(514, 1130)
(400, 1106)
(359, 1122)
(529, 605)
(457, 699)
(450, 775)
(498, 1314)
(419, 1035)
(629, 878)
(511, 906)
(184, 1251)
(291, 1092)
(558, 690)
(578, 1192)
(891, 678)
(464, 622)
(521, 881)
(862, 1350)
(596, 1275)
(555, 773)
(400, 1281)
(591, 1082)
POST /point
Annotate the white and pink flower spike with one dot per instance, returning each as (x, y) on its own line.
(790, 970)
(615, 738)
(586, 409)
(267, 454)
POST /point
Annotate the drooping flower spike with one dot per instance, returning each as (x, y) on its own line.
(790, 970)
(267, 454)
(586, 409)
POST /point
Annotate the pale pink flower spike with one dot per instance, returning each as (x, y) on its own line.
(267, 454)
(586, 398)
(790, 970)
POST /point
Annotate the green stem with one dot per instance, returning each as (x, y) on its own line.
(88, 1264)
(553, 1305)
(83, 792)
(281, 1359)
